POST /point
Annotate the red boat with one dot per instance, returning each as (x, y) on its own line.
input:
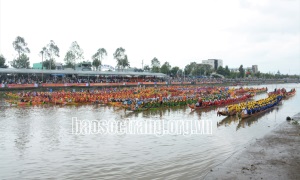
(291, 93)
(193, 107)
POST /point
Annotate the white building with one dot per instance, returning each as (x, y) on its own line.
(236, 70)
(59, 66)
(106, 67)
(254, 68)
(214, 63)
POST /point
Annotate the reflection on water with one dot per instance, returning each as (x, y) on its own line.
(36, 142)
(227, 121)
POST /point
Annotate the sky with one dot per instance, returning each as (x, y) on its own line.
(248, 32)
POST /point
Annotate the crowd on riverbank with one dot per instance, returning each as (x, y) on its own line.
(65, 79)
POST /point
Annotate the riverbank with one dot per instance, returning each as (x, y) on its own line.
(275, 156)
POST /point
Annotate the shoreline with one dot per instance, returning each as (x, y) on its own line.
(274, 156)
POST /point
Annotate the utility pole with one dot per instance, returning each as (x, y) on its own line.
(142, 64)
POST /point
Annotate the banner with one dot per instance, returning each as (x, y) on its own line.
(66, 85)
(53, 85)
(131, 83)
(99, 84)
(106, 84)
(20, 85)
(81, 84)
(148, 82)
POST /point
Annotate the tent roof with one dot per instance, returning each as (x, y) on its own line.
(113, 73)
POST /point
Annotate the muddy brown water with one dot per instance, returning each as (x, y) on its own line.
(37, 142)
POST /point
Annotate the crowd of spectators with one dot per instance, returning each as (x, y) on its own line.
(18, 79)
(32, 79)
(196, 80)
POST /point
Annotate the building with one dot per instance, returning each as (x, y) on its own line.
(85, 66)
(37, 66)
(255, 69)
(105, 67)
(214, 63)
(59, 66)
(235, 70)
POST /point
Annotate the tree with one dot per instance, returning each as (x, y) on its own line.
(21, 62)
(174, 70)
(189, 68)
(258, 74)
(233, 75)
(53, 51)
(73, 55)
(227, 71)
(43, 53)
(198, 69)
(207, 69)
(221, 70)
(165, 68)
(125, 62)
(2, 62)
(155, 65)
(278, 74)
(70, 59)
(98, 56)
(20, 46)
(138, 70)
(146, 68)
(49, 64)
(77, 51)
(49, 53)
(179, 73)
(241, 72)
(121, 57)
(193, 69)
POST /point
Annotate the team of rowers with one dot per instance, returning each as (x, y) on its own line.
(138, 98)
(251, 107)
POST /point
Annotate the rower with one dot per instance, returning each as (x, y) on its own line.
(245, 111)
(226, 109)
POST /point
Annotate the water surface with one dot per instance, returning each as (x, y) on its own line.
(37, 142)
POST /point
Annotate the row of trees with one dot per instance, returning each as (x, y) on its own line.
(51, 51)
(75, 54)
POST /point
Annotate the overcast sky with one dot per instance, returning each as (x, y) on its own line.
(262, 32)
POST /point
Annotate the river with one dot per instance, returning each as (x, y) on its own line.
(38, 142)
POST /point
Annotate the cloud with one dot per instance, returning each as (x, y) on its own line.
(246, 32)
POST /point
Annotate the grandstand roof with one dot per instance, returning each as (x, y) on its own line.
(113, 73)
